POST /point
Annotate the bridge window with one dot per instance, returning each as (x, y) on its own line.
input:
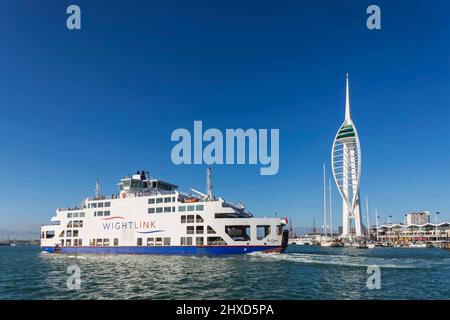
(181, 208)
(199, 207)
(167, 199)
(167, 209)
(151, 201)
(159, 200)
(190, 208)
(107, 204)
(151, 210)
(159, 210)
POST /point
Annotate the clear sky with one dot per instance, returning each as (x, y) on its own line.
(102, 102)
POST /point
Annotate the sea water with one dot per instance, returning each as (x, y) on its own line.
(304, 272)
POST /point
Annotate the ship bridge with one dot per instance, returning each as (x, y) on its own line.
(142, 183)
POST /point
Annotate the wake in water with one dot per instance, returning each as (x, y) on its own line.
(348, 260)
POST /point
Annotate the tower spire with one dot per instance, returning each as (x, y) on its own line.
(347, 102)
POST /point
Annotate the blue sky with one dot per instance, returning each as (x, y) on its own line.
(102, 102)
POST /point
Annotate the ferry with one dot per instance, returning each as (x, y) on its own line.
(150, 216)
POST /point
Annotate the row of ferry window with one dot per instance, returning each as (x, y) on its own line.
(75, 214)
(200, 241)
(184, 241)
(69, 233)
(150, 242)
(199, 230)
(75, 224)
(102, 213)
(161, 209)
(161, 200)
(173, 209)
(99, 204)
(190, 219)
(68, 242)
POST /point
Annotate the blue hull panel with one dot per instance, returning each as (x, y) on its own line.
(175, 250)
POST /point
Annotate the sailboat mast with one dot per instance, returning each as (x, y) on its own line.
(331, 214)
(209, 185)
(367, 216)
(324, 202)
(376, 222)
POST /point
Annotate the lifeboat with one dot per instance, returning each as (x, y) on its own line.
(191, 200)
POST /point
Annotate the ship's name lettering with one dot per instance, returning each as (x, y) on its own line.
(129, 225)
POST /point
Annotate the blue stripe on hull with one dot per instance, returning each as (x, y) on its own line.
(175, 250)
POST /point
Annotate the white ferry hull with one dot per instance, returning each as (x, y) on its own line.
(169, 250)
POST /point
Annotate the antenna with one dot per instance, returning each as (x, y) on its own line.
(209, 185)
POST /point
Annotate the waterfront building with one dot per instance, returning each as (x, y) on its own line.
(398, 232)
(418, 218)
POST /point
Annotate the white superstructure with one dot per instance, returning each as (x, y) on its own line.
(150, 216)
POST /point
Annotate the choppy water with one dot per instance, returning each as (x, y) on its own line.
(302, 273)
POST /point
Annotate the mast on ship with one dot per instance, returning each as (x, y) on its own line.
(97, 189)
(209, 185)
